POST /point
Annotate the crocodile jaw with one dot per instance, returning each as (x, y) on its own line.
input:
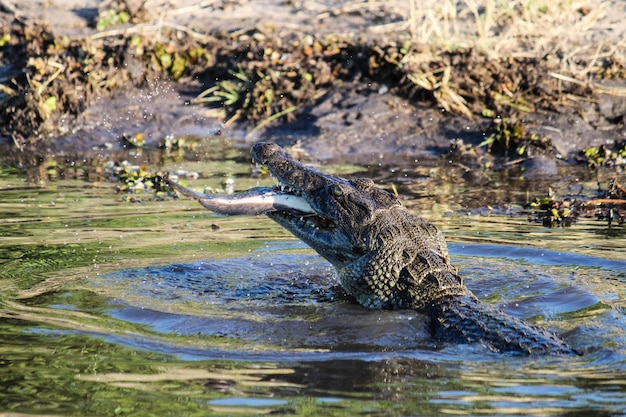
(320, 234)
(319, 228)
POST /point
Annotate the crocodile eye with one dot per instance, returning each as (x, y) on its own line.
(336, 191)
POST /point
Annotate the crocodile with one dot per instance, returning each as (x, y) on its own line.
(385, 256)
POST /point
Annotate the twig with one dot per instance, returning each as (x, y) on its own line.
(393, 27)
(60, 68)
(594, 60)
(193, 7)
(600, 201)
(618, 92)
(568, 79)
(620, 187)
(351, 7)
(150, 27)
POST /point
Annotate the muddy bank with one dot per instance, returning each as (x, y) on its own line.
(366, 126)
(368, 82)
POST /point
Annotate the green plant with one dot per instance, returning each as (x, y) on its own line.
(597, 156)
(257, 96)
(111, 17)
(507, 137)
(233, 93)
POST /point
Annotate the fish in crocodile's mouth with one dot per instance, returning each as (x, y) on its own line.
(254, 202)
(285, 205)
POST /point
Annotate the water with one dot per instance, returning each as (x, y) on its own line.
(163, 308)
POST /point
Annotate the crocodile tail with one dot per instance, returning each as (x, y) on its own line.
(466, 319)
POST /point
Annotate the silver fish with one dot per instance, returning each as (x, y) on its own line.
(253, 202)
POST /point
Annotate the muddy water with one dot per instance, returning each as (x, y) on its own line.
(162, 308)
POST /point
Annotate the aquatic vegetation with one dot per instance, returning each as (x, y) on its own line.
(609, 206)
(554, 213)
(138, 181)
(605, 155)
(509, 137)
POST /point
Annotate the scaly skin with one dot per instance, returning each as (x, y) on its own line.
(388, 258)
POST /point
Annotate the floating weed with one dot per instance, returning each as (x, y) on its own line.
(175, 143)
(5, 39)
(137, 181)
(133, 141)
(553, 213)
(609, 206)
(605, 155)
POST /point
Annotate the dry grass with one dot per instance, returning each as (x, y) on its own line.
(575, 32)
(576, 42)
(581, 40)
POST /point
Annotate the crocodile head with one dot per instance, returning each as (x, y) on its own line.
(342, 212)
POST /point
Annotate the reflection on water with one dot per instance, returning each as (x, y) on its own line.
(163, 308)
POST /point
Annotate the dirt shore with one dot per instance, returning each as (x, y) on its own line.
(358, 80)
